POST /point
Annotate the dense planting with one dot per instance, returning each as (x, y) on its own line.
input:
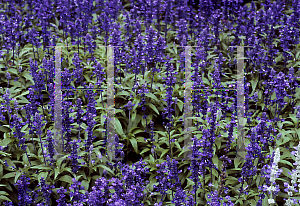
(147, 43)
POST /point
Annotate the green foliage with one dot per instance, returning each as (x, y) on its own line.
(133, 137)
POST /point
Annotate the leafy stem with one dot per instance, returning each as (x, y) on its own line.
(42, 149)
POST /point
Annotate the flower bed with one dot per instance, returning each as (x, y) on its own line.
(143, 122)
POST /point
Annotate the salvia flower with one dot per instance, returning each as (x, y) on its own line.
(78, 70)
(38, 125)
(6, 203)
(295, 179)
(163, 183)
(75, 194)
(215, 200)
(274, 172)
(91, 44)
(143, 93)
(2, 117)
(152, 133)
(39, 82)
(61, 193)
(67, 120)
(23, 195)
(195, 166)
(46, 191)
(7, 100)
(50, 147)
(99, 72)
(89, 116)
(180, 195)
(129, 105)
(118, 147)
(74, 156)
(8, 75)
(99, 193)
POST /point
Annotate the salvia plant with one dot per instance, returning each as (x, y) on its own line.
(162, 156)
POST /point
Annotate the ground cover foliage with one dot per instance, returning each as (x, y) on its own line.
(149, 102)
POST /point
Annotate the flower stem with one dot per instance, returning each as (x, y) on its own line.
(33, 53)
(28, 158)
(170, 149)
(102, 99)
(128, 129)
(33, 143)
(203, 169)
(241, 187)
(42, 149)
(13, 56)
(152, 82)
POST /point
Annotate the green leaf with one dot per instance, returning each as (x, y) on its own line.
(145, 150)
(95, 177)
(153, 107)
(164, 152)
(8, 175)
(152, 96)
(56, 170)
(14, 71)
(3, 193)
(144, 122)
(6, 141)
(18, 174)
(211, 56)
(66, 178)
(106, 168)
(180, 104)
(254, 83)
(177, 145)
(237, 162)
(42, 174)
(120, 111)
(134, 145)
(59, 161)
(123, 93)
(22, 94)
(290, 53)
(2, 197)
(136, 130)
(85, 184)
(205, 80)
(41, 167)
(28, 76)
(297, 55)
(286, 171)
(5, 154)
(218, 143)
(118, 127)
(8, 56)
(288, 123)
(136, 104)
(286, 162)
(224, 46)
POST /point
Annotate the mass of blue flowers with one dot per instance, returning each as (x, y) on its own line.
(65, 141)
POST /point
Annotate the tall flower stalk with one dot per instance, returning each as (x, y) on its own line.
(295, 179)
(38, 125)
(18, 126)
(273, 173)
(89, 117)
(23, 190)
(170, 81)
